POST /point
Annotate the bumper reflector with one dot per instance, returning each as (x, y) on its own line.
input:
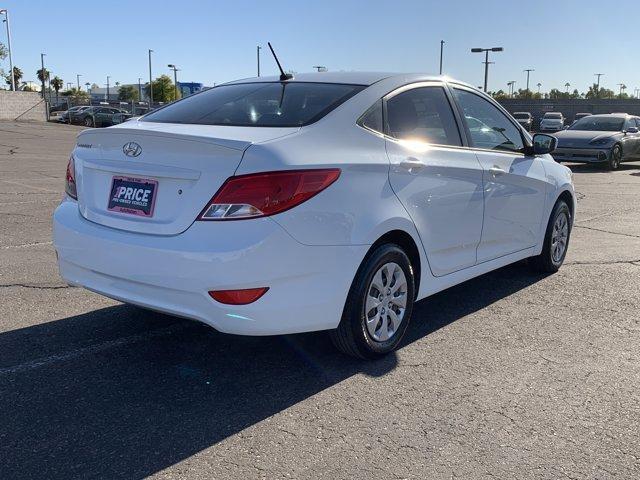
(238, 297)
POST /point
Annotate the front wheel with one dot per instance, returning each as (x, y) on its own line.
(556, 240)
(379, 305)
(88, 122)
(615, 157)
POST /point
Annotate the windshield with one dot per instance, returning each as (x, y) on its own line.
(271, 104)
(521, 116)
(601, 124)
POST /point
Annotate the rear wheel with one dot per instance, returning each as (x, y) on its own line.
(556, 240)
(379, 305)
(615, 157)
(88, 122)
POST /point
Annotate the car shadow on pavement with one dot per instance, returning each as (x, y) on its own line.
(124, 393)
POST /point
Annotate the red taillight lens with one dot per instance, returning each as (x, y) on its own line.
(238, 297)
(263, 194)
(70, 180)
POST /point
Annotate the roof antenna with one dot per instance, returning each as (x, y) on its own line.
(283, 76)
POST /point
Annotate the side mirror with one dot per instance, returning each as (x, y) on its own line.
(543, 144)
(632, 130)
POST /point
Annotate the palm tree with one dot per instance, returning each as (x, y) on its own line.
(567, 85)
(539, 85)
(57, 84)
(17, 75)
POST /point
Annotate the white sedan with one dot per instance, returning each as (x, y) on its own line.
(328, 201)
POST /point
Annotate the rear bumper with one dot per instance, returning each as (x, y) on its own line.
(586, 155)
(308, 285)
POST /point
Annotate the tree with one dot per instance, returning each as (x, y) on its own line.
(4, 53)
(128, 93)
(594, 92)
(500, 95)
(17, 75)
(57, 84)
(42, 77)
(75, 94)
(163, 89)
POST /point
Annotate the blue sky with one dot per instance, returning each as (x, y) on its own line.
(215, 41)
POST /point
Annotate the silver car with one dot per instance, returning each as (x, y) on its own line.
(607, 139)
(552, 122)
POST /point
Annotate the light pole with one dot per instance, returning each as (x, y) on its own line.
(258, 48)
(486, 61)
(150, 81)
(42, 55)
(598, 84)
(441, 52)
(78, 81)
(6, 20)
(139, 89)
(511, 86)
(528, 70)
(108, 77)
(175, 79)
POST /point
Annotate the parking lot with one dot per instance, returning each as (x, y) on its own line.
(511, 375)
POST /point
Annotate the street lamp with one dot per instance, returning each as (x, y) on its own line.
(528, 70)
(486, 61)
(42, 55)
(150, 81)
(175, 79)
(139, 89)
(108, 77)
(258, 48)
(511, 86)
(78, 81)
(598, 84)
(6, 20)
(441, 52)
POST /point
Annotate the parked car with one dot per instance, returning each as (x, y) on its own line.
(580, 115)
(525, 119)
(99, 116)
(552, 122)
(64, 117)
(274, 205)
(607, 139)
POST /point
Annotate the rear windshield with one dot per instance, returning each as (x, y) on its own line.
(553, 115)
(291, 104)
(521, 116)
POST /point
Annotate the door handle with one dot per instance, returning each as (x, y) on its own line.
(412, 164)
(497, 171)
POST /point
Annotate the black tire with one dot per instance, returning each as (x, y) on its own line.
(545, 262)
(88, 122)
(352, 336)
(615, 158)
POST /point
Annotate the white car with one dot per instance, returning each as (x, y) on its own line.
(328, 201)
(552, 122)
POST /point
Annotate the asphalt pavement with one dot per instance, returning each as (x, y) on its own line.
(511, 375)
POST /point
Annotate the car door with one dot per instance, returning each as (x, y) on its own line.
(630, 139)
(438, 181)
(514, 184)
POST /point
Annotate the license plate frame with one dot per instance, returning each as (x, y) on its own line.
(140, 205)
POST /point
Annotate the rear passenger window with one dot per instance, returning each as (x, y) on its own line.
(422, 114)
(372, 118)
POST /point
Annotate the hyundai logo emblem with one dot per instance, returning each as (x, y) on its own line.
(132, 149)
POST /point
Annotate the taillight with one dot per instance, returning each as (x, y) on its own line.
(263, 194)
(238, 297)
(70, 180)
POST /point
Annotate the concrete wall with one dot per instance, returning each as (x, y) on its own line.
(22, 106)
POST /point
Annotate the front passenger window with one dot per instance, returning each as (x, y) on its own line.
(489, 128)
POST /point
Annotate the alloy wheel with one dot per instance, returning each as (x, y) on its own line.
(386, 302)
(559, 237)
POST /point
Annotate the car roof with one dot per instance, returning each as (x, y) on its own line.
(521, 113)
(613, 115)
(353, 78)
